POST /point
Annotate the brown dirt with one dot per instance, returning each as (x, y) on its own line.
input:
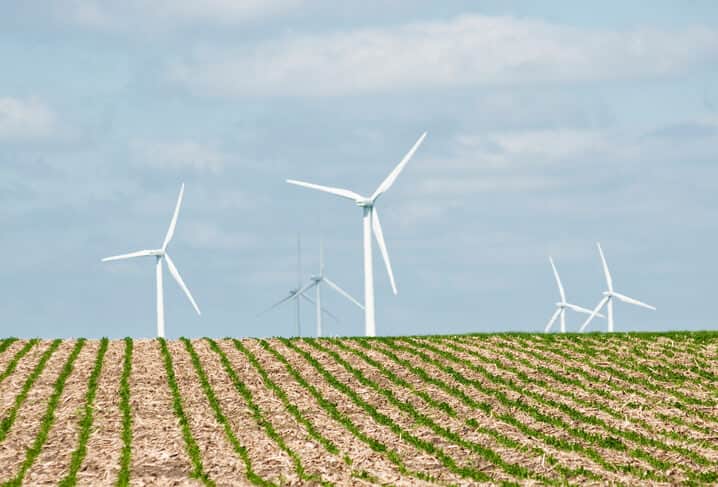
(10, 352)
(220, 462)
(159, 456)
(159, 451)
(102, 461)
(54, 459)
(312, 455)
(27, 422)
(12, 385)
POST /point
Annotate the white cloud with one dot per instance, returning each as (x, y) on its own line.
(25, 119)
(168, 14)
(179, 154)
(467, 50)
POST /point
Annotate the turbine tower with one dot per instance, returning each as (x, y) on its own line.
(160, 256)
(608, 297)
(562, 305)
(371, 224)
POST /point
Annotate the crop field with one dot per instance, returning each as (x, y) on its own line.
(442, 410)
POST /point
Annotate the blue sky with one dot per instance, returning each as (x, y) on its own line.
(552, 125)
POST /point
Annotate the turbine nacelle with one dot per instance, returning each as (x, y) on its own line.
(365, 203)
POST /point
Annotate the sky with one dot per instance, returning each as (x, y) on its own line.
(551, 126)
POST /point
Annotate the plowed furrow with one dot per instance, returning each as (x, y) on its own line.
(311, 456)
(24, 429)
(158, 452)
(102, 462)
(54, 459)
(220, 461)
(362, 457)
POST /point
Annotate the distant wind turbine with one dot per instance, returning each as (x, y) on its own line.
(370, 223)
(608, 297)
(160, 256)
(315, 282)
(562, 305)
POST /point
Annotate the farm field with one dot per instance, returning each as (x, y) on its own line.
(522, 409)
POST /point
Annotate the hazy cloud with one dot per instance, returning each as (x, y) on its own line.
(179, 154)
(467, 50)
(22, 119)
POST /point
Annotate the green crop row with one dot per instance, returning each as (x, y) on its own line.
(380, 418)
(534, 412)
(123, 478)
(312, 431)
(636, 377)
(331, 408)
(617, 380)
(560, 372)
(12, 365)
(48, 418)
(9, 418)
(485, 452)
(240, 449)
(507, 418)
(576, 415)
(614, 442)
(192, 448)
(86, 422)
(467, 400)
(5, 344)
(261, 418)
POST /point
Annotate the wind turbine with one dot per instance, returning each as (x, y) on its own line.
(608, 297)
(562, 305)
(370, 223)
(160, 256)
(315, 282)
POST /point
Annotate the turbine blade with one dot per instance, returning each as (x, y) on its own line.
(324, 310)
(609, 281)
(173, 223)
(376, 225)
(628, 300)
(558, 281)
(386, 184)
(341, 291)
(141, 253)
(552, 320)
(175, 273)
(292, 295)
(595, 311)
(579, 309)
(344, 193)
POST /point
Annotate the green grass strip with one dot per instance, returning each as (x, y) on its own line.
(12, 365)
(9, 419)
(123, 478)
(49, 418)
(312, 431)
(192, 448)
(421, 419)
(86, 422)
(331, 408)
(418, 443)
(240, 449)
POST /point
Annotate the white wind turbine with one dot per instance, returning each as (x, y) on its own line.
(160, 256)
(563, 304)
(370, 223)
(608, 296)
(315, 282)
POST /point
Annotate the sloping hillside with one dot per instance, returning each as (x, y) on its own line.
(524, 409)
